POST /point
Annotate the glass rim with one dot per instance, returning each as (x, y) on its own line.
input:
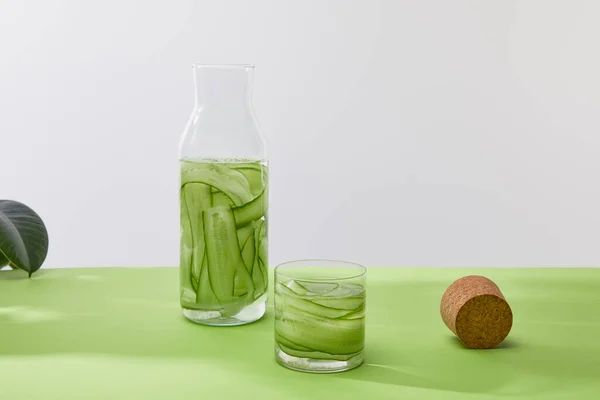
(361, 268)
(223, 66)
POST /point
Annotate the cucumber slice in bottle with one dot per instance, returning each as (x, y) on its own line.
(255, 175)
(186, 247)
(196, 197)
(224, 259)
(247, 165)
(185, 263)
(248, 252)
(252, 210)
(230, 182)
(221, 200)
(263, 262)
(240, 285)
(188, 297)
(243, 234)
(264, 271)
(205, 295)
(258, 275)
(223, 211)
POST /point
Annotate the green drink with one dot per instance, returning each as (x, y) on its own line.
(223, 266)
(319, 315)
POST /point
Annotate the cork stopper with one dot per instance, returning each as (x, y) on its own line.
(476, 311)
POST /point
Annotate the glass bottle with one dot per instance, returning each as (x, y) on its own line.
(223, 201)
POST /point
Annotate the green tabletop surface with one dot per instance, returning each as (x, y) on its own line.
(118, 333)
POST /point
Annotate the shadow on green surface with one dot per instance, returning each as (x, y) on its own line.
(13, 275)
(20, 275)
(135, 313)
(126, 312)
(448, 368)
(508, 343)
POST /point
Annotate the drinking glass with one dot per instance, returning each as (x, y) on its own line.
(319, 315)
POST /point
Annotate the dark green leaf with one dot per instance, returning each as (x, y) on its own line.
(23, 236)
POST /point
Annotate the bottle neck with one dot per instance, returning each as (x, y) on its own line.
(222, 87)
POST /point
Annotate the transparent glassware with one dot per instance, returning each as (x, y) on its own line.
(223, 201)
(320, 315)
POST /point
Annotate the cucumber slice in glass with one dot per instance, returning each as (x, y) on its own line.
(322, 334)
(319, 315)
(299, 305)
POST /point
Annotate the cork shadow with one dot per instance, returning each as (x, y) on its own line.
(508, 343)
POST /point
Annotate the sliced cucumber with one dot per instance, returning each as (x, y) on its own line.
(243, 234)
(255, 176)
(185, 261)
(223, 245)
(359, 313)
(252, 210)
(230, 182)
(281, 340)
(249, 253)
(258, 275)
(293, 286)
(224, 259)
(342, 303)
(311, 288)
(322, 334)
(205, 294)
(240, 285)
(186, 247)
(248, 165)
(263, 261)
(196, 197)
(285, 290)
(306, 306)
(264, 270)
(188, 297)
(219, 199)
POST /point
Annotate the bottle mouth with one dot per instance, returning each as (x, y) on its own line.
(224, 66)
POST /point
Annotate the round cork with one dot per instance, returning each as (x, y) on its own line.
(476, 311)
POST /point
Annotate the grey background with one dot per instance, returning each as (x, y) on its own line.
(400, 132)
